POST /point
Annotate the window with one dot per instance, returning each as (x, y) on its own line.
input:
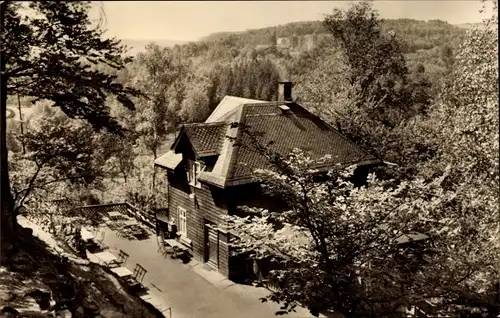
(182, 221)
(193, 173)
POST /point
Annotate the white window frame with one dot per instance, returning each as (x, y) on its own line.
(182, 221)
(195, 168)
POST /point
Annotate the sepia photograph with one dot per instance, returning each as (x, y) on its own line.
(249, 159)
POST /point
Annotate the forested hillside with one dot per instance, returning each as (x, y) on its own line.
(417, 34)
(243, 63)
(218, 64)
(421, 95)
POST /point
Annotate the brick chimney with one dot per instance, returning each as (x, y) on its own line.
(285, 91)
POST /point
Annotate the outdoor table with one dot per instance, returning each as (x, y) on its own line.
(106, 257)
(122, 271)
(172, 242)
(86, 234)
(130, 222)
(92, 246)
(114, 214)
(176, 246)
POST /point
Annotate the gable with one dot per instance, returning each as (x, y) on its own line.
(203, 139)
(206, 139)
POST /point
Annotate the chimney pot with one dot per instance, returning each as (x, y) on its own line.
(286, 87)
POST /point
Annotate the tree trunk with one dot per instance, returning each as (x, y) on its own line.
(21, 122)
(7, 219)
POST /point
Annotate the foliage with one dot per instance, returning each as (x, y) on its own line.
(196, 107)
(377, 66)
(333, 230)
(117, 155)
(239, 64)
(60, 45)
(424, 35)
(137, 190)
(48, 49)
(467, 112)
(418, 35)
(376, 102)
(154, 72)
(254, 79)
(58, 151)
(338, 245)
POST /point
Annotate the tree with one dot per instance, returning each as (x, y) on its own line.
(156, 72)
(273, 39)
(117, 154)
(325, 88)
(12, 142)
(342, 249)
(196, 105)
(365, 90)
(46, 54)
(447, 57)
(377, 65)
(59, 151)
(418, 91)
(338, 244)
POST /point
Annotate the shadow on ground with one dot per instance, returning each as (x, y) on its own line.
(34, 277)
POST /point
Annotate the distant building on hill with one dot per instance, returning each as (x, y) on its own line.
(302, 43)
(284, 42)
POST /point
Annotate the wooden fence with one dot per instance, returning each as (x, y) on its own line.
(95, 212)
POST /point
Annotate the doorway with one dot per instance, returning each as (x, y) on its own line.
(211, 245)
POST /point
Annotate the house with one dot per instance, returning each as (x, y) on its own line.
(210, 168)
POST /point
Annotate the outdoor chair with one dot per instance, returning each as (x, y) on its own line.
(163, 248)
(161, 245)
(122, 257)
(135, 282)
(139, 273)
(178, 252)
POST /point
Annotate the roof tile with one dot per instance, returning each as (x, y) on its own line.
(287, 130)
(206, 138)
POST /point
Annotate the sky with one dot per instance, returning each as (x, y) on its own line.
(191, 20)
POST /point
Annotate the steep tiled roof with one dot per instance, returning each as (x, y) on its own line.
(207, 138)
(169, 160)
(289, 129)
(227, 105)
(287, 125)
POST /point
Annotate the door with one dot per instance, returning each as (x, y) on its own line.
(211, 246)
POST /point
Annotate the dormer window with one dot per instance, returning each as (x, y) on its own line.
(193, 172)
